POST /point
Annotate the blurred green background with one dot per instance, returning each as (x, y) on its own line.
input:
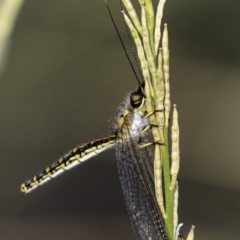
(65, 76)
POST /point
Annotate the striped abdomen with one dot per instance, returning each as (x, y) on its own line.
(69, 160)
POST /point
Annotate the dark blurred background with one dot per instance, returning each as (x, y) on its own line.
(65, 76)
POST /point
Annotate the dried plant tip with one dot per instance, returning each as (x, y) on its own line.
(175, 147)
(191, 234)
(157, 32)
(132, 13)
(165, 56)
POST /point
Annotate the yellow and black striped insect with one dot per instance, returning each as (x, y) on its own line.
(133, 153)
(134, 161)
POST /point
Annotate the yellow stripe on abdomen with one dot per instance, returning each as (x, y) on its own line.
(68, 161)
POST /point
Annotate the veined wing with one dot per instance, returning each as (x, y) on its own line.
(135, 167)
(68, 161)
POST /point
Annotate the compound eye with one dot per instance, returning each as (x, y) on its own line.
(136, 99)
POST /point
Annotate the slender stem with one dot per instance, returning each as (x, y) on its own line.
(167, 183)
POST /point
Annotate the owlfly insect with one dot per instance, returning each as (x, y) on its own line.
(137, 116)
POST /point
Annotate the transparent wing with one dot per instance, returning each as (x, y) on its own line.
(135, 167)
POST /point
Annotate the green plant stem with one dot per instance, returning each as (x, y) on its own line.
(167, 183)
